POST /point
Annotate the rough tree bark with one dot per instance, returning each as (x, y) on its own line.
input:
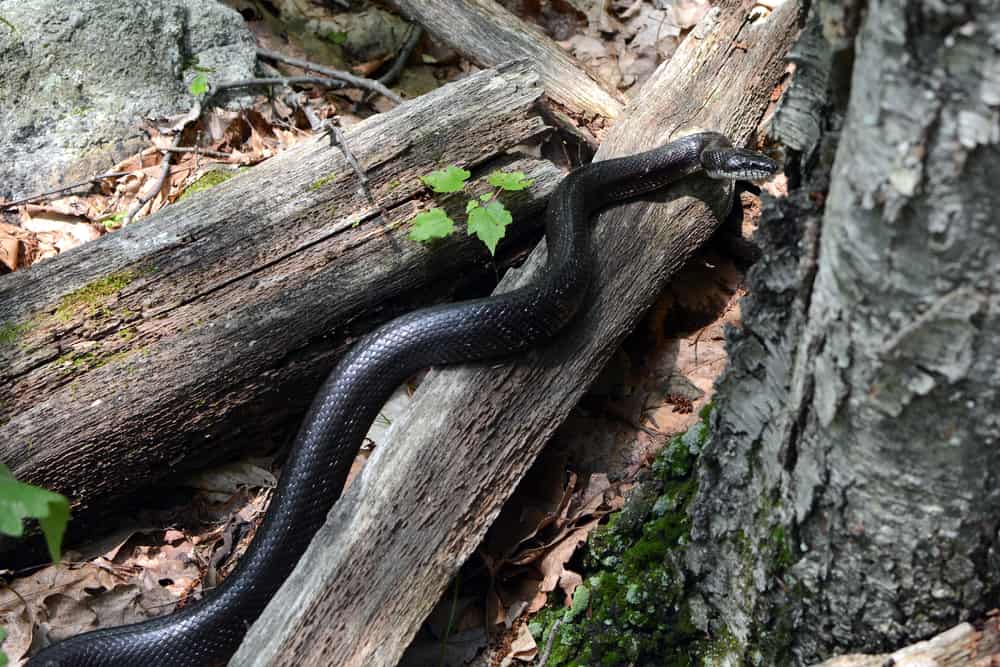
(425, 500)
(848, 499)
(199, 331)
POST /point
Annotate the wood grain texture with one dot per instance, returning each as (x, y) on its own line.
(424, 501)
(487, 34)
(961, 646)
(175, 341)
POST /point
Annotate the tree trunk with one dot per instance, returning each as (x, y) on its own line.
(189, 336)
(848, 499)
(425, 500)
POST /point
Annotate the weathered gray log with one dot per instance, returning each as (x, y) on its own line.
(848, 498)
(178, 340)
(487, 34)
(425, 500)
(960, 646)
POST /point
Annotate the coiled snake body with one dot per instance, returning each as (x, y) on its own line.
(349, 400)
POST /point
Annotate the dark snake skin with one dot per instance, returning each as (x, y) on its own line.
(208, 632)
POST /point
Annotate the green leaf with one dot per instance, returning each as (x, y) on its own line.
(19, 501)
(471, 204)
(199, 84)
(335, 37)
(451, 179)
(514, 180)
(3, 656)
(432, 224)
(486, 197)
(489, 223)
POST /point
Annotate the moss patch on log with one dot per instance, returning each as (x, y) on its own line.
(93, 295)
(207, 180)
(10, 332)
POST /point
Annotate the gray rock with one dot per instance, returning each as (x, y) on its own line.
(76, 79)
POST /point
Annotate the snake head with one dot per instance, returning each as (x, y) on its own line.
(738, 164)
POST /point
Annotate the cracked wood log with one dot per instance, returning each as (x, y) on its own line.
(425, 499)
(191, 335)
(960, 646)
(487, 34)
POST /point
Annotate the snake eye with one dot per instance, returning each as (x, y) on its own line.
(738, 164)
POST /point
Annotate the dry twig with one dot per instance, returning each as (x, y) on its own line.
(416, 32)
(156, 185)
(349, 79)
(65, 188)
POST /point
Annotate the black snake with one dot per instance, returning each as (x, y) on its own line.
(209, 631)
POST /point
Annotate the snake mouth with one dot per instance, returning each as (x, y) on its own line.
(753, 175)
(739, 164)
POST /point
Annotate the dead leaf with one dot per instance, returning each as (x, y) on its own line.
(523, 648)
(229, 478)
(552, 565)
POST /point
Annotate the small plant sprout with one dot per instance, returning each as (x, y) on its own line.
(487, 216)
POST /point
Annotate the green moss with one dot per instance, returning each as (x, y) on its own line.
(635, 606)
(73, 362)
(317, 184)
(336, 37)
(92, 295)
(10, 332)
(782, 552)
(207, 180)
(636, 592)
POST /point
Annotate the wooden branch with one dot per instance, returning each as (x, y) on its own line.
(961, 646)
(348, 78)
(487, 34)
(425, 500)
(208, 327)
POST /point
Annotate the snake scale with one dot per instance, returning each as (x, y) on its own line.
(209, 631)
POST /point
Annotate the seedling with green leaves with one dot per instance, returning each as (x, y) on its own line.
(487, 216)
(19, 501)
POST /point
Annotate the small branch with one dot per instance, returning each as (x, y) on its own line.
(544, 657)
(279, 81)
(337, 139)
(199, 151)
(416, 32)
(66, 188)
(350, 79)
(157, 184)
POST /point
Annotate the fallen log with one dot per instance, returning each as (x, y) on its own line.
(487, 34)
(960, 646)
(426, 497)
(196, 333)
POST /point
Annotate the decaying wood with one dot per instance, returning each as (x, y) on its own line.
(181, 339)
(487, 34)
(425, 500)
(961, 646)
